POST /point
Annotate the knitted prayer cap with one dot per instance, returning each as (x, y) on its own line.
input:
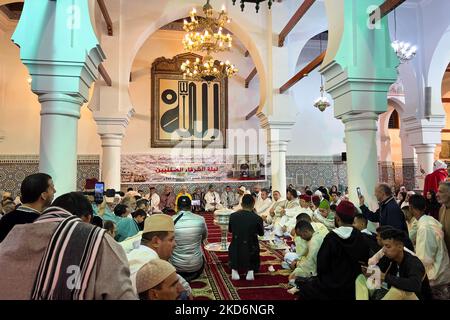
(153, 273)
(159, 222)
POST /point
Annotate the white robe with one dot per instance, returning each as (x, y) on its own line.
(432, 251)
(210, 198)
(154, 202)
(274, 205)
(261, 205)
(292, 210)
(239, 205)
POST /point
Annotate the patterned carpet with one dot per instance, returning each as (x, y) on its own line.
(215, 283)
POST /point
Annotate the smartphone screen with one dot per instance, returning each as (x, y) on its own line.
(358, 190)
(99, 191)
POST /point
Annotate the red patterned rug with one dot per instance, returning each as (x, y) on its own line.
(215, 283)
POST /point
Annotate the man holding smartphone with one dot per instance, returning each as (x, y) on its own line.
(388, 213)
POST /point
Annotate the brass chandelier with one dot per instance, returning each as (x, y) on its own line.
(208, 69)
(205, 34)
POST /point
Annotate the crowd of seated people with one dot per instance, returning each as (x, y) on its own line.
(398, 250)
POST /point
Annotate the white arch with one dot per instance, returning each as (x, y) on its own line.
(438, 65)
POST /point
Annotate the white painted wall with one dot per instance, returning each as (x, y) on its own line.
(315, 132)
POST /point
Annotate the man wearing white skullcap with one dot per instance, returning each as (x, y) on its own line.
(158, 280)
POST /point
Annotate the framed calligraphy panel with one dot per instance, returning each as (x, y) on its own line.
(186, 113)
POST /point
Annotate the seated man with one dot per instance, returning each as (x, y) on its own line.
(301, 246)
(183, 192)
(263, 202)
(324, 215)
(37, 191)
(78, 246)
(158, 241)
(411, 222)
(198, 196)
(143, 204)
(139, 217)
(158, 280)
(229, 199)
(155, 200)
(167, 200)
(272, 215)
(403, 277)
(212, 200)
(288, 212)
(431, 248)
(360, 223)
(307, 265)
(338, 260)
(190, 232)
(126, 227)
(245, 226)
(305, 203)
(241, 192)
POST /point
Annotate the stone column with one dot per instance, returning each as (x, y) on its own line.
(362, 161)
(62, 54)
(424, 135)
(111, 129)
(359, 68)
(278, 137)
(58, 139)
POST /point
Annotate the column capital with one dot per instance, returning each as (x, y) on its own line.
(360, 121)
(113, 124)
(58, 46)
(360, 65)
(277, 129)
(60, 104)
(278, 146)
(424, 131)
(425, 148)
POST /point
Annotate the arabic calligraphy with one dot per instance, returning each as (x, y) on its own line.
(186, 170)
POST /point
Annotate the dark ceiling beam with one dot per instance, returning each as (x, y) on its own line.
(104, 74)
(386, 7)
(303, 73)
(250, 77)
(104, 10)
(301, 11)
(445, 100)
(252, 113)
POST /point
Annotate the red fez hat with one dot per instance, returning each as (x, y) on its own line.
(315, 199)
(346, 210)
(305, 197)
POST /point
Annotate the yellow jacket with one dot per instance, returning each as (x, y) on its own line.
(179, 195)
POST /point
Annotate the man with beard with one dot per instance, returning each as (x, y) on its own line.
(167, 200)
(289, 211)
(37, 192)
